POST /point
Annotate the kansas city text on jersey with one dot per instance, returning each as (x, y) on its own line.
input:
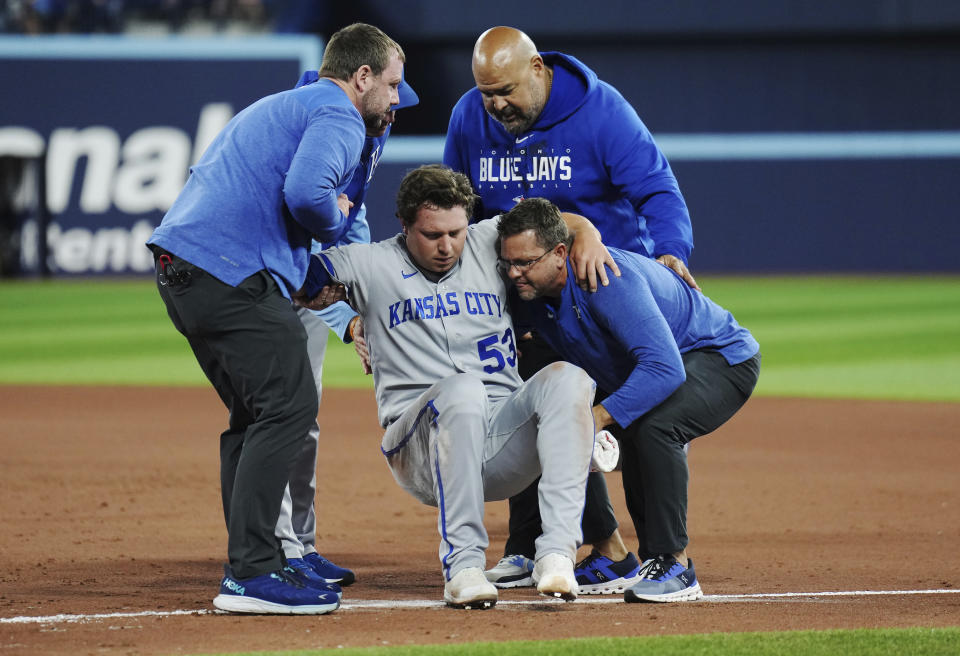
(444, 305)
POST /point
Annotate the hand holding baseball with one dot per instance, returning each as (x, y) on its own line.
(606, 452)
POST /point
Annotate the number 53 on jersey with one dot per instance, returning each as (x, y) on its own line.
(491, 351)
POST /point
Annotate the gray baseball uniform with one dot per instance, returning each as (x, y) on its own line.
(461, 427)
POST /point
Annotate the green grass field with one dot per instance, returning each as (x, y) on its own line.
(884, 642)
(844, 337)
(836, 337)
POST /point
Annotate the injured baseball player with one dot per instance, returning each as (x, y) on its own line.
(461, 426)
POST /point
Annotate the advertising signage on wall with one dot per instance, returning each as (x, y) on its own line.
(118, 122)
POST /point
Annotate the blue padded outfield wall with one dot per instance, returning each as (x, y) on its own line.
(824, 143)
(119, 121)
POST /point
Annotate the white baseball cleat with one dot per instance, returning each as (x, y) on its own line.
(470, 589)
(554, 577)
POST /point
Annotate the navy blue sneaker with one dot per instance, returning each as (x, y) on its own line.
(514, 571)
(664, 579)
(597, 574)
(330, 572)
(299, 568)
(279, 593)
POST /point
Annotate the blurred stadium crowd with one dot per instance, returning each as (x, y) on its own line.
(162, 16)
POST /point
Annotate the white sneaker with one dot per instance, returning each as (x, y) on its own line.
(470, 589)
(511, 572)
(554, 577)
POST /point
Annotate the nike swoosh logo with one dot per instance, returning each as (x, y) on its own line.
(408, 275)
(520, 141)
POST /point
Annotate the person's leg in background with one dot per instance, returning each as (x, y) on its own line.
(297, 524)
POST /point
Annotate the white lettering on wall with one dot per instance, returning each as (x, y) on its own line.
(155, 162)
(100, 145)
(82, 250)
(142, 174)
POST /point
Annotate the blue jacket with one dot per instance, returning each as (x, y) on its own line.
(355, 228)
(266, 185)
(588, 152)
(629, 335)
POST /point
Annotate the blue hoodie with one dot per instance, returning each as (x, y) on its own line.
(628, 336)
(267, 183)
(588, 152)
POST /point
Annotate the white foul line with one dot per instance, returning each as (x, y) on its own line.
(388, 604)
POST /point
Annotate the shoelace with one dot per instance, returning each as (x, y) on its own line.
(588, 561)
(289, 576)
(655, 568)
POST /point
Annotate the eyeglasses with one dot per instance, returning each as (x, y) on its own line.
(522, 266)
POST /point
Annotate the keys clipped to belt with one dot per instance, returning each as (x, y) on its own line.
(168, 275)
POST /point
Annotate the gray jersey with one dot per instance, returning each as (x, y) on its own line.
(420, 331)
(462, 427)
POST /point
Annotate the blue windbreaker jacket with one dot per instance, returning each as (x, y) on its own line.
(266, 185)
(629, 335)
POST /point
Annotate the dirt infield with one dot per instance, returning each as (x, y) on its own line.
(110, 504)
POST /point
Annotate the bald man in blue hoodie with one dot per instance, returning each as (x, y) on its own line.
(541, 124)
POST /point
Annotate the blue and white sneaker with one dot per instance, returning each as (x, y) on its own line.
(511, 572)
(299, 567)
(664, 579)
(330, 572)
(597, 574)
(277, 593)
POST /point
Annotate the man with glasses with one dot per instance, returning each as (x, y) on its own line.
(541, 124)
(676, 364)
(461, 428)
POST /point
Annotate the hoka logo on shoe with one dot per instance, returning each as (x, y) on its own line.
(234, 587)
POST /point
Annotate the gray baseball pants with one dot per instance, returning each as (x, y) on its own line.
(455, 450)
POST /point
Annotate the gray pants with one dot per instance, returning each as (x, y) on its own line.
(250, 344)
(453, 450)
(297, 525)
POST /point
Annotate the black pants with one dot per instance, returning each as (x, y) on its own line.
(654, 464)
(252, 346)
